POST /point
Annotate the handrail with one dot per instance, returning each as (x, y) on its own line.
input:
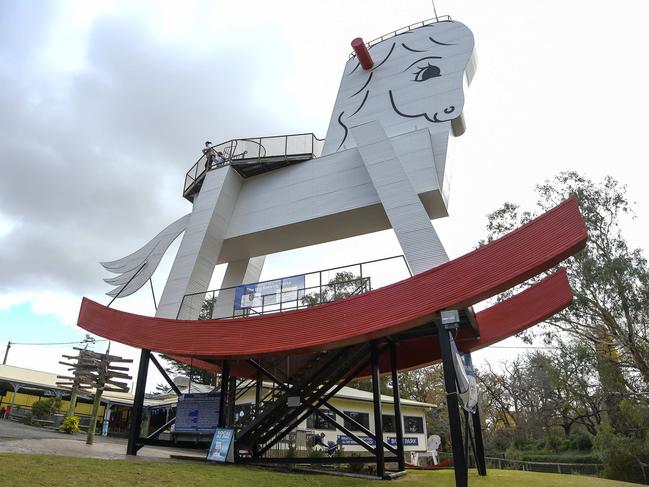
(310, 272)
(301, 297)
(416, 25)
(290, 298)
(229, 147)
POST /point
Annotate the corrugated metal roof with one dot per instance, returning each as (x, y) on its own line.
(47, 380)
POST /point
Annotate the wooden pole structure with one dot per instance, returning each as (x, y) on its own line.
(93, 370)
(90, 437)
(73, 398)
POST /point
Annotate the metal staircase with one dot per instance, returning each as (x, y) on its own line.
(308, 388)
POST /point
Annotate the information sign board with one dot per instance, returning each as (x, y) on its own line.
(221, 447)
(268, 293)
(197, 413)
(392, 440)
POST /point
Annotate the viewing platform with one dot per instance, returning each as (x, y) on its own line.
(294, 292)
(250, 157)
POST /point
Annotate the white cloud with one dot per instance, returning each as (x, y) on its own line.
(64, 306)
(6, 226)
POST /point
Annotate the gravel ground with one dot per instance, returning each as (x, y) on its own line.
(20, 438)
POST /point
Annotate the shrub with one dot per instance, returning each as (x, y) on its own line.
(70, 424)
(622, 455)
(316, 453)
(581, 441)
(498, 440)
(554, 443)
(513, 453)
(43, 407)
(291, 452)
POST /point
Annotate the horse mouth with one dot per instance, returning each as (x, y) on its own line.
(434, 119)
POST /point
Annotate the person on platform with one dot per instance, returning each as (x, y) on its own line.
(219, 158)
(210, 155)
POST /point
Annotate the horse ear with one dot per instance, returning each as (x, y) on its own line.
(355, 78)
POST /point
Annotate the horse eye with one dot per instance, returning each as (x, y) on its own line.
(427, 72)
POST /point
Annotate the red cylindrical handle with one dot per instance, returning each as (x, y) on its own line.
(362, 53)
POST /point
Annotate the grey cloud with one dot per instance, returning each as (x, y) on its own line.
(87, 159)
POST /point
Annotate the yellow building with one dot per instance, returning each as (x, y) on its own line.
(20, 388)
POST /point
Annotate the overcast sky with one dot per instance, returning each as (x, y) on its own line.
(105, 105)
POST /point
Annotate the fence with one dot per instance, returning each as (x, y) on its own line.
(547, 467)
(256, 150)
(416, 25)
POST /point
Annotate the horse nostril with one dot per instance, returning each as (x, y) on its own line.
(450, 109)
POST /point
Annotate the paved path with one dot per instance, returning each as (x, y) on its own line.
(20, 438)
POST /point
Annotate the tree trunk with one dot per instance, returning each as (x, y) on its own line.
(612, 382)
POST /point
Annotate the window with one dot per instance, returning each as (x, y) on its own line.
(389, 426)
(317, 422)
(362, 418)
(413, 424)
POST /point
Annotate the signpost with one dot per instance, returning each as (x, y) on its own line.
(93, 370)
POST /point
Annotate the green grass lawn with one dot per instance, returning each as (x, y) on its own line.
(45, 470)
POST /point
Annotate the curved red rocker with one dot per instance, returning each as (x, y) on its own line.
(524, 253)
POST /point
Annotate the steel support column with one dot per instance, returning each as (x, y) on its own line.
(138, 403)
(459, 461)
(232, 393)
(467, 450)
(396, 398)
(258, 391)
(225, 382)
(378, 419)
(479, 445)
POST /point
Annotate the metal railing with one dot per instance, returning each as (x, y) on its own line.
(547, 467)
(407, 28)
(319, 287)
(256, 150)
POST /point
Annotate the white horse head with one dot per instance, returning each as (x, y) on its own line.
(415, 82)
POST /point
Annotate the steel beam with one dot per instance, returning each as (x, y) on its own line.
(396, 398)
(258, 390)
(328, 396)
(138, 403)
(378, 414)
(459, 461)
(164, 374)
(225, 382)
(479, 445)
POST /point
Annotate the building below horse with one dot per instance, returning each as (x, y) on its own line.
(20, 388)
